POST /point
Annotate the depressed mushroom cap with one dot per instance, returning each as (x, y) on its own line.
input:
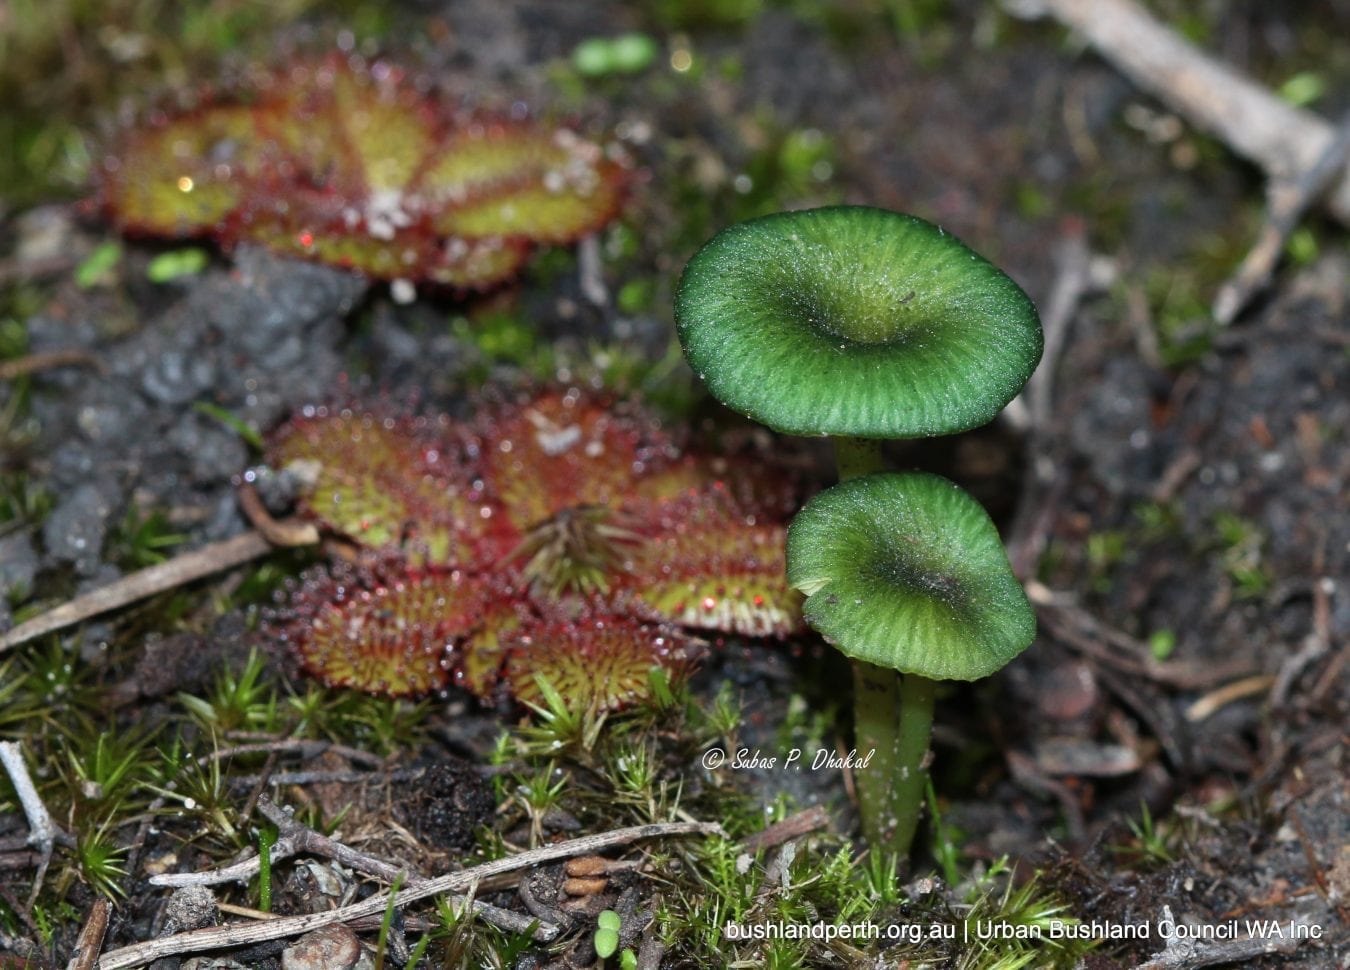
(858, 321)
(906, 571)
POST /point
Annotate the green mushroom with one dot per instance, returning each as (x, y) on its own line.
(866, 324)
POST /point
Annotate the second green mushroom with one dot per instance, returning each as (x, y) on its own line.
(865, 324)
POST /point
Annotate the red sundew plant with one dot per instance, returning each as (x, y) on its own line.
(354, 164)
(561, 536)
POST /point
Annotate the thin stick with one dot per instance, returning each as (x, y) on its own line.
(304, 747)
(1186, 953)
(325, 777)
(308, 840)
(51, 359)
(1289, 199)
(1078, 275)
(1315, 867)
(294, 839)
(91, 937)
(1076, 628)
(1256, 124)
(240, 872)
(176, 572)
(246, 911)
(792, 827)
(1318, 641)
(279, 532)
(211, 938)
(590, 273)
(1212, 702)
(35, 269)
(43, 833)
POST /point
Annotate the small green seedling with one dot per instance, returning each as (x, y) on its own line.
(607, 934)
(624, 54)
(99, 265)
(174, 265)
(865, 324)
(267, 837)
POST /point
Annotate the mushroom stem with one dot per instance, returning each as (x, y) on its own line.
(917, 694)
(876, 695)
(855, 457)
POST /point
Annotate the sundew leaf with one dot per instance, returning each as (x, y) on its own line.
(484, 651)
(183, 176)
(575, 539)
(380, 629)
(318, 227)
(357, 165)
(708, 565)
(494, 179)
(906, 571)
(388, 125)
(851, 320)
(475, 263)
(391, 485)
(596, 662)
(563, 450)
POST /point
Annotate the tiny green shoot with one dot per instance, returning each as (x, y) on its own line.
(97, 268)
(238, 425)
(170, 266)
(267, 837)
(607, 935)
(382, 941)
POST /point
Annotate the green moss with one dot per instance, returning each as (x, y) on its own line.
(142, 538)
(1242, 544)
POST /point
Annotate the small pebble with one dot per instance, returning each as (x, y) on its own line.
(189, 908)
(328, 948)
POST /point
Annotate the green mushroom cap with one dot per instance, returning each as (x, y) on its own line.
(857, 321)
(906, 571)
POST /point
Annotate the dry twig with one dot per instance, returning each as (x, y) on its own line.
(43, 833)
(1076, 628)
(1318, 641)
(792, 827)
(32, 270)
(178, 571)
(279, 532)
(91, 937)
(1187, 953)
(1288, 200)
(590, 272)
(1208, 705)
(320, 777)
(215, 937)
(49, 360)
(1283, 140)
(1079, 274)
(1315, 867)
(305, 748)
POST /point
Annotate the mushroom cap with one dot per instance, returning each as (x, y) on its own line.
(906, 571)
(850, 320)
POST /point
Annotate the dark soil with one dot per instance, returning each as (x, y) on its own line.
(1189, 493)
